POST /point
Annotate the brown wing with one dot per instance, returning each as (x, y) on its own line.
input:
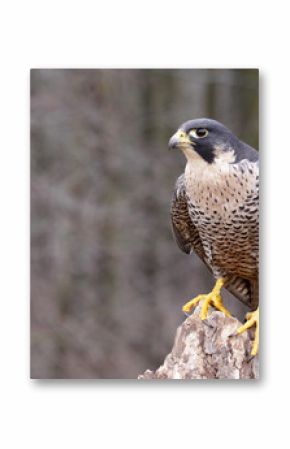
(186, 234)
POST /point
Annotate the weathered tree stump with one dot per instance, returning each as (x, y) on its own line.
(209, 349)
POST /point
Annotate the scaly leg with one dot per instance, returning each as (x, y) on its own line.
(212, 298)
(252, 318)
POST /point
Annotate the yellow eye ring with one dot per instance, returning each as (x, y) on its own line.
(198, 133)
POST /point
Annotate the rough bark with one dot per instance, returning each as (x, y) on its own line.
(209, 349)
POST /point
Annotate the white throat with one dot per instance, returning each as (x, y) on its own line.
(199, 171)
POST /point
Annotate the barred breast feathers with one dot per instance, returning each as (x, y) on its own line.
(214, 185)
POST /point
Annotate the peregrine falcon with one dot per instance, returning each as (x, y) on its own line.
(215, 213)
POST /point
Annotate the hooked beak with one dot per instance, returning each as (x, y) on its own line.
(178, 140)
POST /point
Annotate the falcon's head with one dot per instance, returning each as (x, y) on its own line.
(207, 139)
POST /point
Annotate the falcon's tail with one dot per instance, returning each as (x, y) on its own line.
(245, 290)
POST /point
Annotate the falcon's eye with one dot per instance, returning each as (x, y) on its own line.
(198, 133)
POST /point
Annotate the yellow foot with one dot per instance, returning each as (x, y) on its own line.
(212, 298)
(252, 318)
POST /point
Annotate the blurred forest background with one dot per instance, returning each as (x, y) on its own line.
(108, 280)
